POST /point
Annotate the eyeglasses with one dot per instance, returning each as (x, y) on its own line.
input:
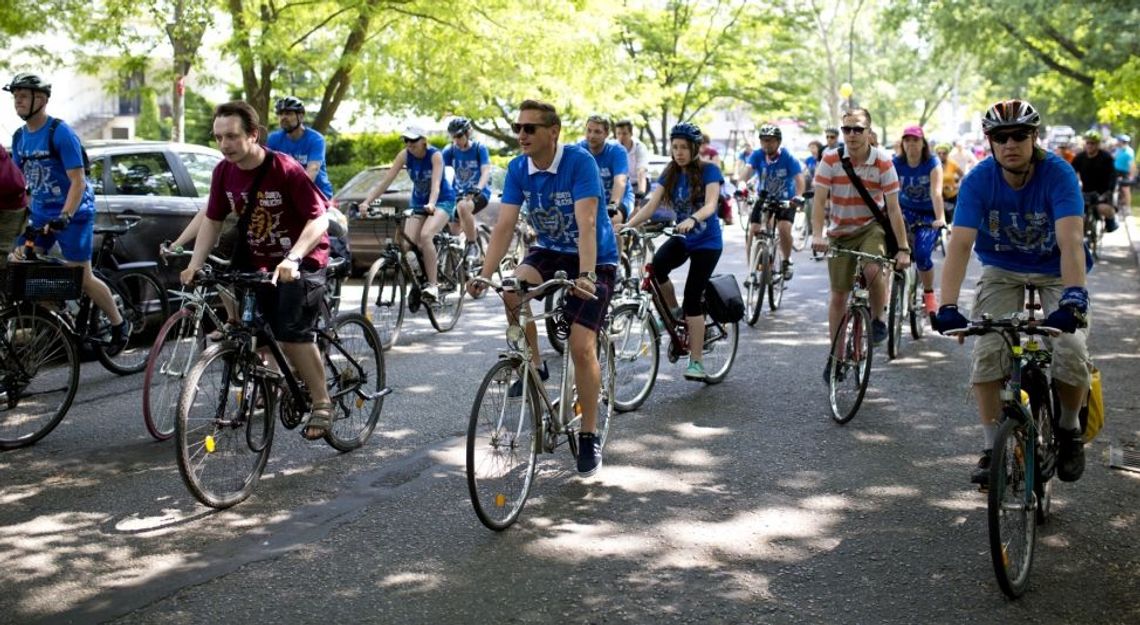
(408, 141)
(527, 128)
(832, 136)
(1017, 136)
(852, 130)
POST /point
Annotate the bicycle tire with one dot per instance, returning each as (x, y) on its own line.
(221, 463)
(383, 302)
(776, 276)
(354, 366)
(1012, 525)
(143, 301)
(606, 378)
(754, 286)
(552, 300)
(502, 446)
(895, 312)
(174, 352)
(722, 340)
(766, 273)
(1042, 399)
(451, 277)
(38, 358)
(849, 361)
(482, 242)
(917, 308)
(635, 339)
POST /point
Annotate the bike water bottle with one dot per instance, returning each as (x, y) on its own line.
(247, 307)
(413, 263)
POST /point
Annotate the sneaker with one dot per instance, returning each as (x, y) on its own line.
(1110, 225)
(516, 387)
(472, 252)
(121, 333)
(430, 293)
(827, 373)
(695, 371)
(678, 313)
(589, 454)
(878, 331)
(981, 473)
(1070, 455)
(788, 270)
(929, 302)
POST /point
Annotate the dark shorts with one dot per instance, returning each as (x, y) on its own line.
(292, 308)
(589, 313)
(785, 213)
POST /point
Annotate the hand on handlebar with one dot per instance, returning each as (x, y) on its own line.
(584, 288)
(687, 225)
(818, 243)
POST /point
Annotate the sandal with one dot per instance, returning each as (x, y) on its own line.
(320, 422)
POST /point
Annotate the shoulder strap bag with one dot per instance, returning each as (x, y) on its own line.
(857, 182)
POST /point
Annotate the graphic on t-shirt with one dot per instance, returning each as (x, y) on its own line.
(1034, 236)
(917, 188)
(554, 218)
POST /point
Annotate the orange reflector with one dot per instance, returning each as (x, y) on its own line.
(500, 500)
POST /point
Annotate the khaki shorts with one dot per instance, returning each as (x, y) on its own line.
(1002, 292)
(11, 226)
(841, 269)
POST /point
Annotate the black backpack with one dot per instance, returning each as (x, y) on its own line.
(53, 151)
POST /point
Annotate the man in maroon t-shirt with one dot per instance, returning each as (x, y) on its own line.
(287, 235)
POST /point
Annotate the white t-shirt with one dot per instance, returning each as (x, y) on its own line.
(638, 159)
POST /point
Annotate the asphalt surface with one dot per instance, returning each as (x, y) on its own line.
(736, 503)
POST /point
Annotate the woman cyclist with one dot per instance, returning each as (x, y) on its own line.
(692, 188)
(920, 175)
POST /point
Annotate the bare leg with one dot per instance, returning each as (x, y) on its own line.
(587, 373)
(696, 338)
(99, 293)
(431, 227)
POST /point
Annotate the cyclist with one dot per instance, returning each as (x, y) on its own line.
(1097, 174)
(965, 158)
(563, 193)
(951, 178)
(742, 159)
(305, 145)
(702, 243)
(286, 230)
(781, 177)
(1125, 170)
(852, 225)
(613, 165)
(62, 203)
(638, 156)
(472, 164)
(920, 181)
(831, 135)
(433, 200)
(1022, 212)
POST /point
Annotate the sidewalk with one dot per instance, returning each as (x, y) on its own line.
(1132, 225)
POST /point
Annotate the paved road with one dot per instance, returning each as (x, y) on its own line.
(739, 503)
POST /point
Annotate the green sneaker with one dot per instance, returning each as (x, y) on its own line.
(695, 371)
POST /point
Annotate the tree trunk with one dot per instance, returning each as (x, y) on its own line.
(341, 80)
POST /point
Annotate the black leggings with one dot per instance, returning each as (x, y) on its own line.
(703, 262)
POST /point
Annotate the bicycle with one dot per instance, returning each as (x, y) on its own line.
(905, 305)
(230, 398)
(1025, 449)
(505, 434)
(766, 262)
(849, 360)
(744, 196)
(395, 282)
(1093, 223)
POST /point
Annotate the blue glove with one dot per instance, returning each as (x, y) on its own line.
(948, 318)
(1072, 310)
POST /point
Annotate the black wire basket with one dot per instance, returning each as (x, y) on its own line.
(42, 282)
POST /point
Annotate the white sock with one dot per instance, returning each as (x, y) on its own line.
(990, 430)
(1070, 419)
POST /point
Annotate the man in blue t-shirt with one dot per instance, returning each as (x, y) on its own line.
(1125, 163)
(63, 204)
(472, 164)
(1023, 214)
(613, 166)
(563, 193)
(305, 145)
(780, 176)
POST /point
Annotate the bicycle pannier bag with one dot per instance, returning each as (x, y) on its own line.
(723, 299)
(1092, 415)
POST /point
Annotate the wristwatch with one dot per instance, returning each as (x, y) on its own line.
(293, 257)
(589, 275)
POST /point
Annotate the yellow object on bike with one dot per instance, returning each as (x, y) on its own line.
(1094, 412)
(210, 444)
(1024, 398)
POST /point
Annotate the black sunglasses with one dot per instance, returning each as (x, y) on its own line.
(527, 128)
(1005, 137)
(852, 130)
(408, 141)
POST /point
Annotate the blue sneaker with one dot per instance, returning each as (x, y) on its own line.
(878, 332)
(695, 371)
(589, 454)
(1111, 225)
(516, 387)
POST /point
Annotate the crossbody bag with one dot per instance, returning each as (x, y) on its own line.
(857, 182)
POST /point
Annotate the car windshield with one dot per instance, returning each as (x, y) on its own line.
(364, 181)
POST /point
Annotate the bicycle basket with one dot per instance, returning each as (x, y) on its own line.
(40, 281)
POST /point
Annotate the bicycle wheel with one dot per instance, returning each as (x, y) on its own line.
(1042, 398)
(225, 427)
(451, 274)
(39, 374)
(765, 268)
(606, 388)
(754, 286)
(382, 302)
(849, 364)
(637, 355)
(721, 343)
(895, 315)
(142, 300)
(501, 447)
(175, 350)
(482, 241)
(1011, 509)
(556, 327)
(776, 276)
(917, 308)
(354, 366)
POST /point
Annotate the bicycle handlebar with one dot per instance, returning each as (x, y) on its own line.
(207, 276)
(165, 253)
(833, 252)
(1019, 322)
(528, 293)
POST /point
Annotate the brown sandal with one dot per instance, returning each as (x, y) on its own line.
(320, 422)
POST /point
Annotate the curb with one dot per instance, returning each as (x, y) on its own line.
(1132, 226)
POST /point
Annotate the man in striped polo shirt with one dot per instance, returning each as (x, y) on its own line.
(851, 223)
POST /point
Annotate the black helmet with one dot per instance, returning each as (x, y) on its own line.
(25, 80)
(1010, 114)
(771, 130)
(686, 130)
(459, 126)
(289, 103)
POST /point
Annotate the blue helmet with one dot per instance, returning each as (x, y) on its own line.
(686, 130)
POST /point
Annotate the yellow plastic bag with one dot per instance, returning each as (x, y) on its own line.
(1093, 414)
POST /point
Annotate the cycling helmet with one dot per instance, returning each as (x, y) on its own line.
(459, 126)
(289, 103)
(831, 131)
(686, 130)
(1124, 139)
(771, 130)
(25, 80)
(1010, 114)
(943, 146)
(1093, 135)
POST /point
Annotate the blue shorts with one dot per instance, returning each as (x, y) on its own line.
(76, 242)
(447, 207)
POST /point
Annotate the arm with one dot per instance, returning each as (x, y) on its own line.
(311, 235)
(618, 190)
(936, 197)
(203, 244)
(957, 259)
(436, 179)
(313, 168)
(819, 205)
(500, 238)
(586, 214)
(191, 231)
(75, 193)
(1071, 240)
(484, 176)
(393, 171)
(898, 225)
(645, 212)
(708, 211)
(799, 182)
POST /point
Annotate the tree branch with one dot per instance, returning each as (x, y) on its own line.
(1044, 57)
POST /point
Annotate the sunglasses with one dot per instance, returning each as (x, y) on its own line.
(852, 130)
(1006, 137)
(527, 128)
(408, 141)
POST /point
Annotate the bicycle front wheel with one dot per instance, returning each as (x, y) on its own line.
(452, 277)
(849, 364)
(605, 389)
(556, 328)
(754, 285)
(143, 302)
(895, 315)
(502, 446)
(637, 355)
(224, 428)
(721, 343)
(39, 374)
(917, 309)
(174, 352)
(354, 366)
(382, 302)
(776, 277)
(1011, 509)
